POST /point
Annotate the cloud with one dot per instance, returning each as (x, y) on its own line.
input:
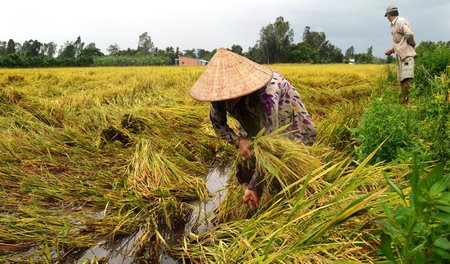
(212, 24)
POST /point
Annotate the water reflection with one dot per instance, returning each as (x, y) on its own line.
(118, 250)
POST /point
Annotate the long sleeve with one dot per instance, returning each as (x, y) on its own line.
(218, 117)
(303, 127)
(283, 105)
(270, 102)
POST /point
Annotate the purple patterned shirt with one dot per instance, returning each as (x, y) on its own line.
(275, 105)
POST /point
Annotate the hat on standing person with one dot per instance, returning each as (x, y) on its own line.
(389, 9)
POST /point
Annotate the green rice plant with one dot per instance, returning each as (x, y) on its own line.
(418, 231)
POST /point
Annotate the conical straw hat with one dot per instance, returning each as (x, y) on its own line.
(229, 75)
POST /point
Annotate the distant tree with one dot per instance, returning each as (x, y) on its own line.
(303, 52)
(113, 49)
(329, 53)
(79, 46)
(370, 54)
(203, 54)
(313, 39)
(349, 53)
(31, 48)
(213, 52)
(18, 48)
(145, 45)
(13, 60)
(365, 58)
(127, 52)
(275, 41)
(49, 49)
(318, 41)
(90, 46)
(11, 47)
(336, 55)
(170, 53)
(237, 49)
(91, 51)
(68, 50)
(255, 54)
(2, 48)
(190, 53)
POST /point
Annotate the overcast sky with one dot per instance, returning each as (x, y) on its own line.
(210, 24)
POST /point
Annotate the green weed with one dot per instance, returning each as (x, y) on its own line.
(419, 230)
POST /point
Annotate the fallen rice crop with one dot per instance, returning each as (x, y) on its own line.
(95, 153)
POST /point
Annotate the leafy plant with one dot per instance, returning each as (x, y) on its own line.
(421, 128)
(419, 230)
(391, 75)
(388, 122)
(434, 115)
(432, 60)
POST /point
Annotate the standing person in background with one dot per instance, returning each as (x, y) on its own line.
(404, 45)
(258, 98)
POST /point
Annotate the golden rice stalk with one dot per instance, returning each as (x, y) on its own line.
(330, 223)
(153, 175)
(282, 162)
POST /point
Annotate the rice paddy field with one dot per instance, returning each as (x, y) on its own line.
(92, 157)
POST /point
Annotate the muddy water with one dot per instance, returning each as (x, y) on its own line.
(204, 210)
(118, 250)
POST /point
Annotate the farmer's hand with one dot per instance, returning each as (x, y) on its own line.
(410, 40)
(251, 199)
(243, 147)
(389, 52)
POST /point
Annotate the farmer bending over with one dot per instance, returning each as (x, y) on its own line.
(257, 98)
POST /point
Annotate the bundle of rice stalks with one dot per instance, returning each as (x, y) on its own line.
(280, 162)
(153, 175)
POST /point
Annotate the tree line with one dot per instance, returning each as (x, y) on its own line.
(275, 45)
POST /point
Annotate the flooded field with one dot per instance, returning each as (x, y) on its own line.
(119, 250)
